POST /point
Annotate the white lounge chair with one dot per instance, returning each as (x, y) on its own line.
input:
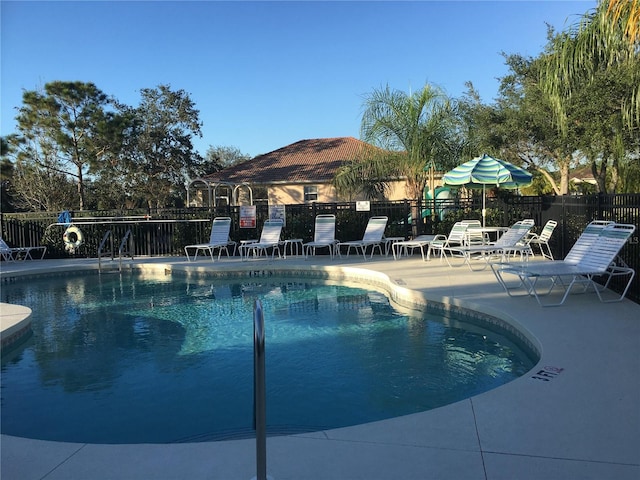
(542, 240)
(403, 247)
(373, 235)
(10, 254)
(583, 244)
(324, 236)
(592, 256)
(218, 239)
(269, 239)
(456, 237)
(508, 244)
(474, 237)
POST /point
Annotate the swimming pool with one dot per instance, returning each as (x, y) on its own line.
(132, 359)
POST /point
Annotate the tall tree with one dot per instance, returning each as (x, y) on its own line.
(413, 130)
(39, 189)
(477, 121)
(604, 139)
(61, 130)
(591, 74)
(521, 127)
(160, 151)
(6, 175)
(628, 13)
(112, 185)
(219, 157)
(605, 37)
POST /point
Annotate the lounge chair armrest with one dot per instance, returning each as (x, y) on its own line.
(616, 270)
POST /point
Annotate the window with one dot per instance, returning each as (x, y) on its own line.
(310, 193)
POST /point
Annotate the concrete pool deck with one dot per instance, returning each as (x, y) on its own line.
(579, 418)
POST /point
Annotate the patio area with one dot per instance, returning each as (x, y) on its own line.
(576, 415)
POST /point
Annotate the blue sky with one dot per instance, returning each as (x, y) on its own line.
(267, 74)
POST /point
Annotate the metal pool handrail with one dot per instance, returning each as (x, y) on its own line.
(107, 236)
(123, 249)
(259, 391)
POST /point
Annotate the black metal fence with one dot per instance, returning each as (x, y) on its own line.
(165, 232)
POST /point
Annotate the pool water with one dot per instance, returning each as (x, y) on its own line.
(158, 359)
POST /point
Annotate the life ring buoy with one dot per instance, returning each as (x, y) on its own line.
(72, 238)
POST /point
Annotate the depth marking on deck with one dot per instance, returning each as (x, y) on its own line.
(547, 373)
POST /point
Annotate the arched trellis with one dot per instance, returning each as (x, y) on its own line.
(213, 188)
(220, 185)
(193, 183)
(236, 193)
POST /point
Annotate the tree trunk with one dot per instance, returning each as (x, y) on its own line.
(564, 178)
(80, 188)
(600, 175)
(615, 177)
(550, 179)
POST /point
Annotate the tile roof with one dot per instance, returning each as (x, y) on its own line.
(583, 174)
(313, 160)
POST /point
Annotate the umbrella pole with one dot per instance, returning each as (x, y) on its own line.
(484, 210)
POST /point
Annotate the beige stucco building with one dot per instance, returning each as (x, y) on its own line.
(298, 173)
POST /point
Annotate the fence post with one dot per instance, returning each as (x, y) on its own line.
(599, 203)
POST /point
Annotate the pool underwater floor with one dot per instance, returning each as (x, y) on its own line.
(576, 415)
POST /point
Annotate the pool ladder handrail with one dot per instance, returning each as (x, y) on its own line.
(124, 248)
(101, 253)
(259, 391)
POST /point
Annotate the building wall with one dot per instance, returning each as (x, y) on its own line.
(397, 191)
(285, 194)
(294, 193)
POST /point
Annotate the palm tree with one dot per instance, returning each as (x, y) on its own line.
(628, 12)
(412, 130)
(605, 37)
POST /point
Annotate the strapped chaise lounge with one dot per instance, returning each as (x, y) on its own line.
(542, 240)
(324, 236)
(508, 244)
(10, 254)
(403, 247)
(269, 239)
(456, 237)
(474, 237)
(373, 235)
(218, 239)
(593, 256)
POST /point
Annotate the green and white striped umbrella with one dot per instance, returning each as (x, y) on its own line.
(486, 170)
